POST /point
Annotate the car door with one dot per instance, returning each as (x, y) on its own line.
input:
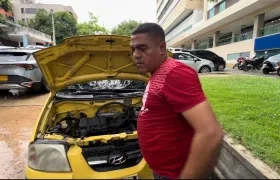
(186, 59)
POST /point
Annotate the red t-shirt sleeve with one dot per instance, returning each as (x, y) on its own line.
(182, 88)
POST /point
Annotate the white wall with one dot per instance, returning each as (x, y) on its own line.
(197, 16)
(193, 19)
(210, 5)
(168, 11)
(242, 46)
(164, 2)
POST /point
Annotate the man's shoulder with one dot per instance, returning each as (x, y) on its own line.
(172, 65)
(177, 67)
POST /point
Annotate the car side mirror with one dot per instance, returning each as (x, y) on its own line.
(196, 59)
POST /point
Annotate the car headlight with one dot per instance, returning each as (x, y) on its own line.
(48, 157)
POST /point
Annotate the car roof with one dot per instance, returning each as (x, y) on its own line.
(181, 52)
(19, 50)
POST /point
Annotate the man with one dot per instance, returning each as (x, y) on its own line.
(178, 133)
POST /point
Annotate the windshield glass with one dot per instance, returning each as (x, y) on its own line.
(13, 56)
(274, 59)
(109, 85)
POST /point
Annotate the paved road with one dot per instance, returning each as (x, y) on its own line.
(17, 117)
(250, 72)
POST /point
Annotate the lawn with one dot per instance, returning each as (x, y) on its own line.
(248, 108)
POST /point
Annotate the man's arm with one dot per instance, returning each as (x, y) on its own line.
(206, 142)
(184, 93)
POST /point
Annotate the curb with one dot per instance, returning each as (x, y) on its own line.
(236, 162)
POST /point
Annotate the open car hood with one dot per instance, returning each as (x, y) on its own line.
(88, 58)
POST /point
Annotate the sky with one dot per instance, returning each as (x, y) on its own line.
(111, 12)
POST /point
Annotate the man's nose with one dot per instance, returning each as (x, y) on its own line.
(136, 55)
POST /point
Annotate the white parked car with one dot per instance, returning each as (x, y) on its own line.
(199, 64)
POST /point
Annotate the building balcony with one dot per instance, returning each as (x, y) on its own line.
(33, 36)
(274, 29)
(178, 10)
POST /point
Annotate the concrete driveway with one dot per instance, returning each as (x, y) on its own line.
(17, 117)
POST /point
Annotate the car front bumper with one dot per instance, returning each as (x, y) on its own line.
(82, 170)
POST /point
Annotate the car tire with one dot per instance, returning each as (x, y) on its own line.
(278, 71)
(221, 67)
(265, 71)
(205, 69)
(36, 88)
(44, 88)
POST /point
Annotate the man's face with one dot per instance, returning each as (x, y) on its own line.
(147, 52)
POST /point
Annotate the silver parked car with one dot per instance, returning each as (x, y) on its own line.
(199, 64)
(19, 71)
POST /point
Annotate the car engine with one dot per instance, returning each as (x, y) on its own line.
(104, 122)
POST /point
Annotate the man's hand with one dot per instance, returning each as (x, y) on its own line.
(206, 142)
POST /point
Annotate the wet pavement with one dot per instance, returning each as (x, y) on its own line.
(17, 117)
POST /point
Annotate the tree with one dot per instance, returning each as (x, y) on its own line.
(125, 27)
(64, 22)
(91, 27)
(6, 5)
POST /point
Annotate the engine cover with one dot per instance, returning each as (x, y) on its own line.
(98, 124)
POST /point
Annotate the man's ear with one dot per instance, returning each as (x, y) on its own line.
(163, 47)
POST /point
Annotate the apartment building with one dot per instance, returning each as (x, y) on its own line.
(226, 27)
(19, 36)
(26, 9)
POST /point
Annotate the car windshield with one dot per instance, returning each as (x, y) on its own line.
(104, 88)
(13, 56)
(274, 59)
(110, 85)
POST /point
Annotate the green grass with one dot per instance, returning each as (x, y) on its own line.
(248, 108)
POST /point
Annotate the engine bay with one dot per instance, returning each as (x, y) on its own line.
(108, 118)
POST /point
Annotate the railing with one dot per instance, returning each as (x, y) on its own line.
(237, 38)
(204, 45)
(179, 33)
(270, 30)
(26, 31)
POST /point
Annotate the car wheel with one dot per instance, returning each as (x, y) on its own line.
(265, 71)
(278, 71)
(45, 87)
(36, 87)
(205, 69)
(221, 67)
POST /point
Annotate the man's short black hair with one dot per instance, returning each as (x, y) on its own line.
(152, 29)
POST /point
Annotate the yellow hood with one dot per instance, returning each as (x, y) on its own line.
(87, 58)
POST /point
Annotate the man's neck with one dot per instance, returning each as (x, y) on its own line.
(160, 63)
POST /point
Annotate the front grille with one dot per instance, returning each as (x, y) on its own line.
(99, 155)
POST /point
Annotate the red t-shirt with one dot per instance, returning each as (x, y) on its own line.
(164, 135)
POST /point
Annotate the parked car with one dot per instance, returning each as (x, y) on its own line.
(219, 62)
(7, 47)
(272, 64)
(199, 64)
(88, 126)
(19, 71)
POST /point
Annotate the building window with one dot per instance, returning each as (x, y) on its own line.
(211, 12)
(168, 4)
(235, 56)
(23, 19)
(222, 6)
(29, 10)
